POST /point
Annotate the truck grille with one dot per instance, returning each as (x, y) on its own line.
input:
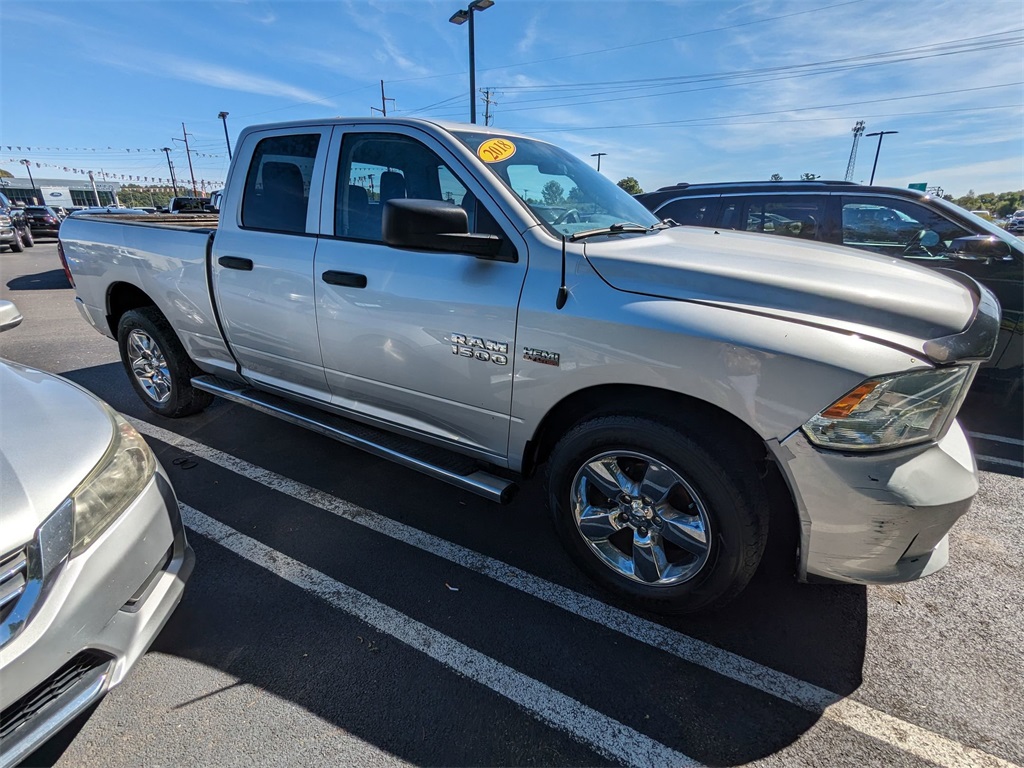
(13, 580)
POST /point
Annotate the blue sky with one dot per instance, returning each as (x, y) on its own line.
(691, 90)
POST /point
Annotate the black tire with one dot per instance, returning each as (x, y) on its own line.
(708, 492)
(28, 240)
(157, 365)
(17, 244)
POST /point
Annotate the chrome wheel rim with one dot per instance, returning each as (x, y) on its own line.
(149, 367)
(641, 518)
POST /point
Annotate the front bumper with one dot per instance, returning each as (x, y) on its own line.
(96, 618)
(878, 518)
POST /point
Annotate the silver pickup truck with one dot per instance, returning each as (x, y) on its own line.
(477, 305)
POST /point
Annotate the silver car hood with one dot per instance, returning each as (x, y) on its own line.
(788, 277)
(54, 434)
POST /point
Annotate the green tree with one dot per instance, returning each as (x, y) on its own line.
(631, 185)
(135, 195)
(575, 196)
(776, 177)
(809, 176)
(552, 192)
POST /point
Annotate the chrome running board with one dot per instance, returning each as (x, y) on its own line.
(441, 464)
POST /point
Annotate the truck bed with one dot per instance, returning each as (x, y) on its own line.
(185, 221)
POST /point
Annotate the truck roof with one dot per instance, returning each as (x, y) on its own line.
(412, 122)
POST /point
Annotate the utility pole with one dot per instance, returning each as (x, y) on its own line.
(170, 167)
(383, 102)
(881, 135)
(188, 154)
(487, 105)
(599, 155)
(858, 129)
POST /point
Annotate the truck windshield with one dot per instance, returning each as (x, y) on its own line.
(565, 193)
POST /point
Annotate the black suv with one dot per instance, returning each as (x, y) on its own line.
(15, 232)
(43, 220)
(901, 223)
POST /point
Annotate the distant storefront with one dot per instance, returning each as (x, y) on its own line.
(62, 193)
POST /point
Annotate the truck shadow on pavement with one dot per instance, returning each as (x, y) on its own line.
(275, 637)
(51, 280)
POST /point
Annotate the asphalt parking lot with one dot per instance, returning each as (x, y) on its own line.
(347, 611)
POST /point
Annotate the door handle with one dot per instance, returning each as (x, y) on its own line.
(350, 279)
(235, 262)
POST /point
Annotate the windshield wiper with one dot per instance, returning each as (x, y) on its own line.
(614, 229)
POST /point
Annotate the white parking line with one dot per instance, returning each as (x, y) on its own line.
(996, 438)
(607, 737)
(997, 460)
(918, 741)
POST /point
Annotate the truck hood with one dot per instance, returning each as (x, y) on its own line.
(54, 434)
(787, 277)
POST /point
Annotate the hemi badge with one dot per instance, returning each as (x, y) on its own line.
(541, 356)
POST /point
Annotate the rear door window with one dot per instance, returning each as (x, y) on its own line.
(787, 215)
(276, 196)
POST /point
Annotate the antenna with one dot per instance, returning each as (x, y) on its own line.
(858, 129)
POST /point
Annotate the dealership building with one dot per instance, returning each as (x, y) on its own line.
(63, 193)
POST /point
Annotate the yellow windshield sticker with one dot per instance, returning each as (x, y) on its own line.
(496, 150)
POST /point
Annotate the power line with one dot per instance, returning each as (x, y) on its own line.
(576, 101)
(983, 40)
(711, 124)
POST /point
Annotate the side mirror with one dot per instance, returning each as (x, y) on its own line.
(433, 225)
(979, 248)
(10, 317)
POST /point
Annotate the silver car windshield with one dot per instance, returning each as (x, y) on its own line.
(566, 194)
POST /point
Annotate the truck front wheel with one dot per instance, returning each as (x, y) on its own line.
(157, 364)
(653, 516)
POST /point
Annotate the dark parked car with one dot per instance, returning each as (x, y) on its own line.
(902, 223)
(43, 220)
(15, 232)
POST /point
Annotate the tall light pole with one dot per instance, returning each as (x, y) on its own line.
(599, 155)
(28, 167)
(95, 194)
(174, 181)
(224, 117)
(461, 17)
(880, 135)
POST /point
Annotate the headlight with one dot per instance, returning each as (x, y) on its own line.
(116, 481)
(890, 411)
(5, 221)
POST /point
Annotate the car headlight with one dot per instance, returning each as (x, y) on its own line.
(5, 221)
(890, 411)
(116, 481)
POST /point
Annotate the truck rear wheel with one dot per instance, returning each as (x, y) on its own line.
(27, 239)
(655, 517)
(157, 364)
